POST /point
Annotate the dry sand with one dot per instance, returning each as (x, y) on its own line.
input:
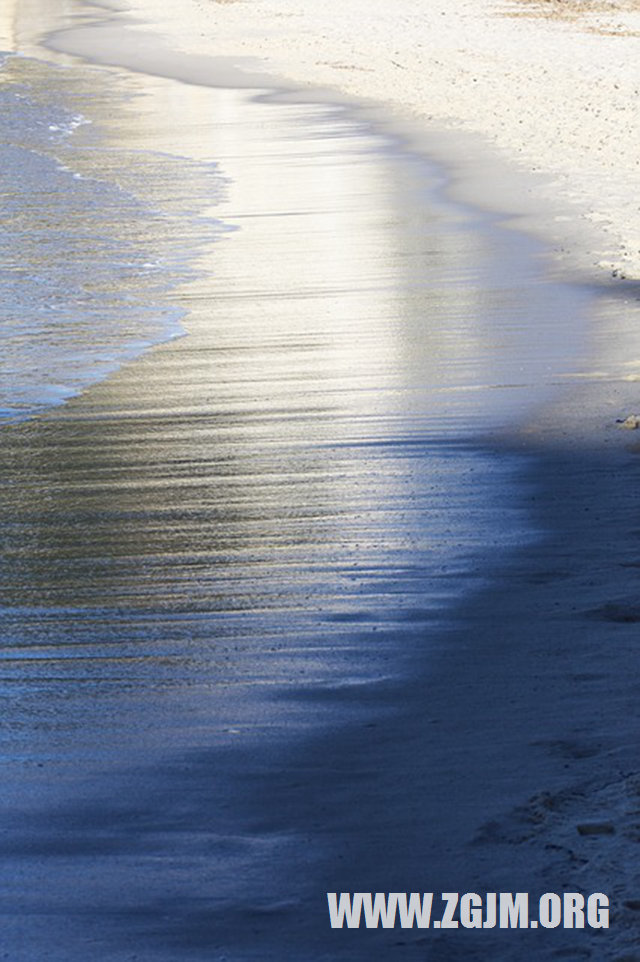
(553, 86)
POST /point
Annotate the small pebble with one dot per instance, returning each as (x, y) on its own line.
(630, 423)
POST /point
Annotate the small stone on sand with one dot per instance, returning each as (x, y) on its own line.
(630, 423)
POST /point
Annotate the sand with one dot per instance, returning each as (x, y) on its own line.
(530, 110)
(479, 768)
(552, 87)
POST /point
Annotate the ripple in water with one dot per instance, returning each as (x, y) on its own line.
(90, 244)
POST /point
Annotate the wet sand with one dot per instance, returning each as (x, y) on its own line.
(240, 668)
(549, 86)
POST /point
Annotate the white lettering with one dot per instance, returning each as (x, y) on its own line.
(598, 911)
(417, 911)
(514, 910)
(448, 922)
(492, 910)
(550, 910)
(346, 909)
(471, 911)
(573, 910)
(382, 911)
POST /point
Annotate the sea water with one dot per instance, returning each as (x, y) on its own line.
(307, 470)
(224, 557)
(86, 256)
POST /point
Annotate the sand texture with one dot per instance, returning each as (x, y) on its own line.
(339, 591)
(553, 86)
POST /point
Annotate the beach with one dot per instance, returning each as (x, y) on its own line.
(551, 87)
(321, 574)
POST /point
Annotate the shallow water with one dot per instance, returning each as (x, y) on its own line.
(251, 534)
(308, 461)
(89, 245)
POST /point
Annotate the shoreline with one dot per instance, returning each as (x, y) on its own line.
(503, 782)
(477, 174)
(549, 100)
